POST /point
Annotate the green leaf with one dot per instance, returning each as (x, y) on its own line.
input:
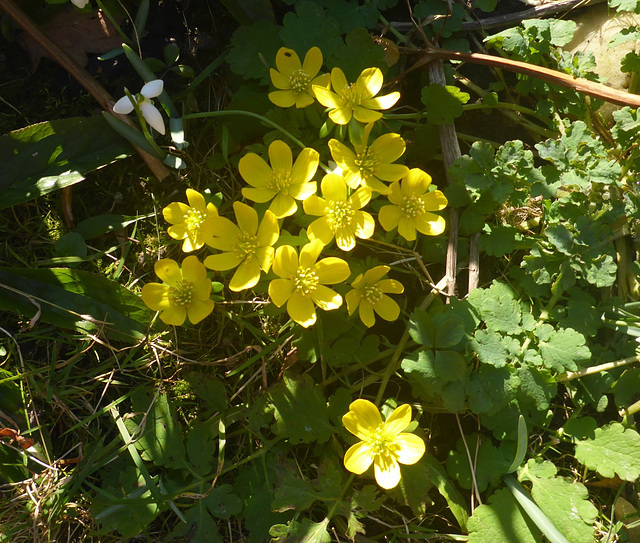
(565, 503)
(422, 329)
(291, 491)
(161, 440)
(449, 332)
(501, 520)
(580, 428)
(209, 389)
(222, 502)
(200, 527)
(359, 52)
(413, 488)
(71, 244)
(48, 156)
(443, 103)
(306, 531)
(74, 299)
(627, 388)
(537, 387)
(564, 350)
(614, 450)
(248, 44)
(498, 307)
(491, 347)
(300, 410)
(201, 445)
(625, 5)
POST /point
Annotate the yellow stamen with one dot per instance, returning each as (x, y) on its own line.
(339, 214)
(299, 80)
(306, 281)
(412, 206)
(182, 293)
(246, 245)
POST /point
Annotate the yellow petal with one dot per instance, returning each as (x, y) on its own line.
(314, 205)
(193, 270)
(360, 198)
(369, 82)
(325, 298)
(302, 191)
(387, 472)
(345, 238)
(411, 448)
(301, 309)
(320, 229)
(366, 314)
(341, 154)
(169, 271)
(334, 188)
(196, 200)
(382, 102)
(310, 253)
(374, 275)
(175, 315)
(389, 147)
(331, 270)
(323, 80)
(283, 98)
(280, 290)
(269, 231)
(390, 286)
(279, 80)
(342, 115)
(398, 420)
(259, 195)
(376, 185)
(353, 298)
(285, 263)
(358, 458)
(254, 170)
(287, 61)
(225, 234)
(362, 418)
(430, 224)
(280, 156)
(303, 99)
(246, 276)
(364, 224)
(199, 309)
(305, 166)
(312, 62)
(390, 172)
(407, 228)
(247, 218)
(202, 288)
(389, 217)
(338, 80)
(366, 115)
(264, 256)
(416, 182)
(435, 201)
(156, 296)
(396, 196)
(387, 308)
(175, 212)
(283, 205)
(223, 261)
(178, 231)
(326, 97)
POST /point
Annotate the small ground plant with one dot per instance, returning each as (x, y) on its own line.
(361, 296)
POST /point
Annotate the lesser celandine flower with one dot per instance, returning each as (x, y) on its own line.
(341, 215)
(185, 291)
(247, 246)
(301, 283)
(355, 99)
(284, 182)
(124, 106)
(191, 223)
(382, 444)
(411, 205)
(371, 164)
(369, 295)
(294, 80)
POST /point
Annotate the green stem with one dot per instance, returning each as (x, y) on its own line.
(570, 375)
(231, 112)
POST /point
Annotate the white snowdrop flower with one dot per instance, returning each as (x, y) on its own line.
(80, 3)
(151, 114)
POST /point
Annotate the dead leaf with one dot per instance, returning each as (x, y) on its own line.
(77, 34)
(13, 435)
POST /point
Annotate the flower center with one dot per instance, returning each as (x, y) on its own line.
(383, 444)
(305, 281)
(280, 180)
(339, 214)
(372, 294)
(246, 245)
(182, 293)
(194, 219)
(412, 206)
(351, 97)
(367, 161)
(299, 80)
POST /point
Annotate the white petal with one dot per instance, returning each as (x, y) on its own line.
(152, 116)
(80, 3)
(124, 106)
(152, 89)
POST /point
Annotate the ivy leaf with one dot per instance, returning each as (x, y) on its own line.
(498, 307)
(310, 26)
(248, 43)
(306, 531)
(300, 410)
(443, 103)
(565, 503)
(563, 349)
(501, 520)
(615, 449)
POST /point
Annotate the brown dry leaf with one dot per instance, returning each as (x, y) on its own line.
(77, 34)
(13, 435)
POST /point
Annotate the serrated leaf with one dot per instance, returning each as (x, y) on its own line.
(222, 502)
(305, 531)
(566, 504)
(443, 103)
(615, 449)
(501, 520)
(490, 348)
(537, 387)
(291, 491)
(498, 307)
(625, 5)
(300, 410)
(564, 350)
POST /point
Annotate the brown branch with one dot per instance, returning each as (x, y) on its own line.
(83, 77)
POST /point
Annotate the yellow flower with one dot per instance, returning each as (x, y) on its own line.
(294, 80)
(192, 222)
(382, 444)
(248, 247)
(302, 281)
(283, 182)
(340, 215)
(355, 99)
(411, 206)
(370, 163)
(185, 292)
(370, 294)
